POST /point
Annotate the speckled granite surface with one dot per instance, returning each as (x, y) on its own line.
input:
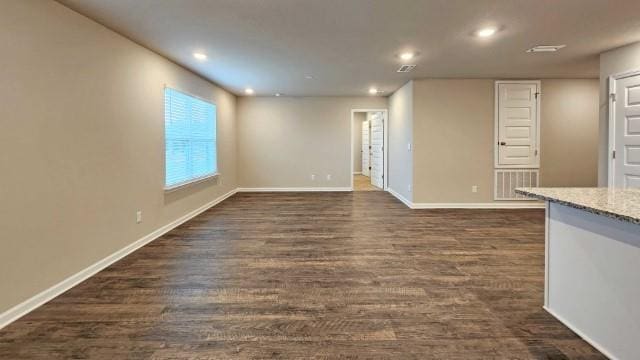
(615, 203)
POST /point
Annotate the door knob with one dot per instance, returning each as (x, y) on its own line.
(502, 143)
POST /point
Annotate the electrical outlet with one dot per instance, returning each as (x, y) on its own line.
(313, 177)
(138, 216)
(408, 146)
(474, 188)
(329, 177)
(409, 187)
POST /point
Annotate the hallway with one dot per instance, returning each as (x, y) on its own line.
(363, 183)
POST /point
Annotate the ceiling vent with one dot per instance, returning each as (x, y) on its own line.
(545, 48)
(406, 68)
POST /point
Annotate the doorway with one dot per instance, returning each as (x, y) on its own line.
(368, 149)
(624, 130)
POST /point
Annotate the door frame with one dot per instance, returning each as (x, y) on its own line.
(385, 143)
(611, 163)
(496, 126)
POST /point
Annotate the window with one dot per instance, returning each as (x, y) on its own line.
(190, 139)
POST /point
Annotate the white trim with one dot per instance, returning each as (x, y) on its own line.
(496, 96)
(612, 132)
(400, 197)
(385, 143)
(584, 337)
(547, 216)
(493, 205)
(625, 74)
(496, 205)
(295, 189)
(39, 299)
(612, 123)
(189, 182)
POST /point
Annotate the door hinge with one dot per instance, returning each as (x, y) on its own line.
(613, 154)
(612, 96)
(537, 95)
(369, 167)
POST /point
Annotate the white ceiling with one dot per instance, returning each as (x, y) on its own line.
(350, 45)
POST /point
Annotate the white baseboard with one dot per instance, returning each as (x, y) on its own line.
(39, 299)
(584, 337)
(496, 205)
(492, 205)
(295, 189)
(400, 197)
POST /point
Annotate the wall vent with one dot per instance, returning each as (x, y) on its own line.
(406, 68)
(507, 180)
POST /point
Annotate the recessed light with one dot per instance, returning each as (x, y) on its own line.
(546, 48)
(373, 91)
(278, 94)
(308, 77)
(200, 56)
(486, 32)
(248, 91)
(407, 55)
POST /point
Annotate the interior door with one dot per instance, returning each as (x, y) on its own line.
(517, 125)
(626, 165)
(365, 148)
(377, 154)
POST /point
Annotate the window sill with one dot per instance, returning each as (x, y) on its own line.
(190, 182)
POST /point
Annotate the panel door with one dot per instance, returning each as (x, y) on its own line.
(517, 125)
(626, 165)
(377, 154)
(365, 148)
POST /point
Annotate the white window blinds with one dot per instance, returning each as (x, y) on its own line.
(190, 138)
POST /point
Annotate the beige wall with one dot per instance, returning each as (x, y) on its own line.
(81, 145)
(401, 112)
(453, 136)
(569, 133)
(282, 141)
(612, 62)
(81, 141)
(356, 140)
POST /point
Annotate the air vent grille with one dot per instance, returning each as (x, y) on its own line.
(406, 68)
(545, 48)
(507, 180)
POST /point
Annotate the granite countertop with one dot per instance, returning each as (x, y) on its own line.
(615, 203)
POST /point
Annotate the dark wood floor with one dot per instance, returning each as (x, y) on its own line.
(314, 275)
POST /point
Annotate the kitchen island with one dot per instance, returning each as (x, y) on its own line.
(592, 264)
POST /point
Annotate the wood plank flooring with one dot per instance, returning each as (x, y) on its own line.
(314, 276)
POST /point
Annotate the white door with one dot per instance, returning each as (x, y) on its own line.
(517, 128)
(365, 148)
(626, 164)
(377, 154)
